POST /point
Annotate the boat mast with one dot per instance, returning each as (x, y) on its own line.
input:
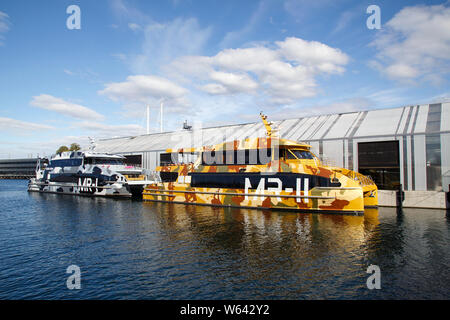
(273, 135)
(148, 119)
(161, 117)
(266, 124)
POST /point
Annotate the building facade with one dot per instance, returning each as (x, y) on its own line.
(18, 168)
(406, 147)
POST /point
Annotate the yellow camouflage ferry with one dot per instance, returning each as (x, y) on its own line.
(263, 173)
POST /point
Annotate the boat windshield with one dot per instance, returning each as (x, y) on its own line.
(108, 161)
(299, 154)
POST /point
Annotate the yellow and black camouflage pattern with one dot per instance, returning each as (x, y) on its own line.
(354, 193)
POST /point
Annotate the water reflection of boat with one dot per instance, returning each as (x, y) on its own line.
(371, 216)
(249, 229)
(266, 173)
(88, 173)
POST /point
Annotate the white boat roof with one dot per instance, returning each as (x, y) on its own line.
(86, 154)
(102, 155)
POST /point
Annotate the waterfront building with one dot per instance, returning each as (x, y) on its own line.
(18, 168)
(407, 147)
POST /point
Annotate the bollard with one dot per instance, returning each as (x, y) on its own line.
(400, 196)
(447, 197)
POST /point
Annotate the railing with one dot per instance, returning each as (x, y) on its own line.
(362, 179)
(154, 175)
(16, 176)
(327, 162)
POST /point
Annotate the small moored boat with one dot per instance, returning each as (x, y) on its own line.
(89, 174)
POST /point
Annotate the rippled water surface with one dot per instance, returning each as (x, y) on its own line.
(138, 250)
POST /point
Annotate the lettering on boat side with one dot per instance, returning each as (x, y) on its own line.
(86, 184)
(279, 188)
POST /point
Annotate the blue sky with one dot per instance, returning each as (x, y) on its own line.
(217, 62)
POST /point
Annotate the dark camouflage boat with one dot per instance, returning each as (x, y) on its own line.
(89, 174)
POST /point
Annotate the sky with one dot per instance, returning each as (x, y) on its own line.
(65, 77)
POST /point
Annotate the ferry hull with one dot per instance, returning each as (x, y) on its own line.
(113, 190)
(371, 197)
(337, 200)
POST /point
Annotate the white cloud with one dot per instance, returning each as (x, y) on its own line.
(415, 44)
(232, 82)
(249, 59)
(120, 56)
(134, 26)
(284, 71)
(313, 54)
(266, 72)
(346, 105)
(163, 42)
(107, 130)
(48, 102)
(401, 71)
(4, 26)
(122, 10)
(388, 97)
(214, 88)
(237, 35)
(84, 73)
(443, 97)
(141, 88)
(344, 20)
(7, 124)
(4, 23)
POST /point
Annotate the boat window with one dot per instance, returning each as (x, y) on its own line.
(306, 155)
(300, 154)
(168, 176)
(66, 163)
(103, 161)
(290, 155)
(165, 159)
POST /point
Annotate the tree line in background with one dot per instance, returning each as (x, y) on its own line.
(73, 147)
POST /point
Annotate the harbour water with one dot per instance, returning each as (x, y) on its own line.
(134, 250)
